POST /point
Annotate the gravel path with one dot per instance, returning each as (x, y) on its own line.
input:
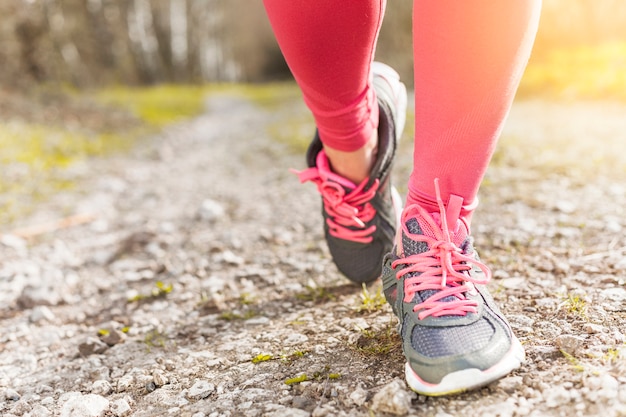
(196, 282)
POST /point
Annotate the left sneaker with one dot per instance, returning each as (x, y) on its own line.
(360, 220)
(454, 337)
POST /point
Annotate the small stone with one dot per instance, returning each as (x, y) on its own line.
(42, 295)
(120, 408)
(510, 384)
(393, 398)
(101, 387)
(358, 396)
(89, 405)
(556, 396)
(41, 313)
(570, 344)
(124, 383)
(592, 328)
(159, 378)
(14, 242)
(302, 402)
(200, 389)
(91, 345)
(294, 339)
(11, 395)
(151, 386)
(40, 411)
(112, 337)
(210, 210)
(21, 407)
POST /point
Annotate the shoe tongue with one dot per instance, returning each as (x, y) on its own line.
(417, 224)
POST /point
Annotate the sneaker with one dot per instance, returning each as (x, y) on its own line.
(453, 336)
(360, 219)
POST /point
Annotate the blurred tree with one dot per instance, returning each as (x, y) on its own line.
(98, 42)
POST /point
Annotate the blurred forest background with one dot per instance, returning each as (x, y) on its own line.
(87, 43)
(80, 78)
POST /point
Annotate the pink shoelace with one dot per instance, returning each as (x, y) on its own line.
(444, 267)
(347, 211)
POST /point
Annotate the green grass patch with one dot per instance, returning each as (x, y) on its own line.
(35, 152)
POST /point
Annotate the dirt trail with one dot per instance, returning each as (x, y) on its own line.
(202, 285)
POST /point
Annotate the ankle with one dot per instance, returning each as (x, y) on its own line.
(356, 165)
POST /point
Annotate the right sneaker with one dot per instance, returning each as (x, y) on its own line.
(360, 220)
(454, 337)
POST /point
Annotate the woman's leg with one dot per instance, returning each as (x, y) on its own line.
(469, 57)
(329, 47)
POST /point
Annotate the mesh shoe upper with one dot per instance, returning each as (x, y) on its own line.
(360, 219)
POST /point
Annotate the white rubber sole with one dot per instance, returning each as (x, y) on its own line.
(468, 379)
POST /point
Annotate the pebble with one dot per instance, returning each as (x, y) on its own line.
(294, 339)
(101, 387)
(358, 396)
(92, 345)
(302, 402)
(592, 328)
(112, 337)
(200, 389)
(89, 405)
(556, 396)
(510, 384)
(159, 378)
(211, 210)
(570, 344)
(40, 314)
(42, 295)
(21, 407)
(11, 395)
(393, 398)
(40, 411)
(120, 408)
(124, 383)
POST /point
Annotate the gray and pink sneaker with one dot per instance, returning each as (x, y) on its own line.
(454, 337)
(360, 220)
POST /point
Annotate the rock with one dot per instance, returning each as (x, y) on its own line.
(592, 328)
(556, 396)
(21, 407)
(89, 405)
(101, 387)
(11, 395)
(14, 242)
(159, 378)
(111, 336)
(510, 384)
(294, 339)
(570, 344)
(200, 389)
(40, 295)
(40, 411)
(358, 396)
(210, 210)
(302, 402)
(275, 410)
(120, 408)
(393, 398)
(40, 314)
(125, 382)
(91, 345)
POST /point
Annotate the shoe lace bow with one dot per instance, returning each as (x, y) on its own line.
(347, 206)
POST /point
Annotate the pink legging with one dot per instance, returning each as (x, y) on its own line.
(469, 56)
